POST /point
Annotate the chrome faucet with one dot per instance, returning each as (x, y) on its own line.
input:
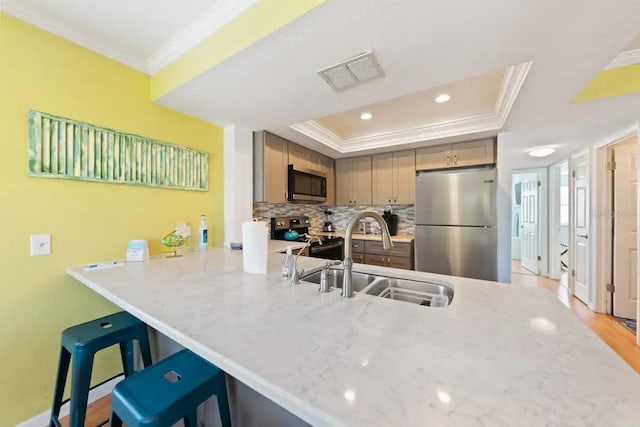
(347, 285)
(295, 276)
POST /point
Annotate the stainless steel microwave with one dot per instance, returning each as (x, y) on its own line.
(306, 186)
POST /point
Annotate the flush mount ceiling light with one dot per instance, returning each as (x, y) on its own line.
(352, 71)
(542, 152)
(366, 116)
(440, 99)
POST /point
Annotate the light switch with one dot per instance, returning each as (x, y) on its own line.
(40, 244)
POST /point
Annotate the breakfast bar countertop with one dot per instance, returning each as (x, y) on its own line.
(499, 355)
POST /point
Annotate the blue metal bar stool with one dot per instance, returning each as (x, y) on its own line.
(82, 342)
(169, 391)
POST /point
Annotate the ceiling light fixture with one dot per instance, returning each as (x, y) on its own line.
(366, 116)
(440, 99)
(542, 151)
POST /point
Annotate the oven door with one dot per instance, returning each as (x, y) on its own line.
(331, 250)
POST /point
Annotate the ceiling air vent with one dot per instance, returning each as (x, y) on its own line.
(352, 71)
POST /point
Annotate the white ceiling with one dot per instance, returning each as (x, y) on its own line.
(470, 97)
(419, 45)
(633, 45)
(143, 34)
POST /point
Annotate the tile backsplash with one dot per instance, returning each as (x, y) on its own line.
(341, 214)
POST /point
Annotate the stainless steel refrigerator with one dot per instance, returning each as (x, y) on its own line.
(455, 212)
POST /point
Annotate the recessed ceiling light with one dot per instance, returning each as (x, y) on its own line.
(443, 98)
(366, 116)
(542, 151)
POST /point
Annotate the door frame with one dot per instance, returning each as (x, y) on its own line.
(554, 217)
(602, 244)
(543, 216)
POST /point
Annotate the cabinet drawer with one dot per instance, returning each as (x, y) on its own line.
(399, 262)
(359, 258)
(379, 260)
(357, 246)
(398, 249)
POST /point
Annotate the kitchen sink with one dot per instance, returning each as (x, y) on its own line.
(405, 290)
(360, 280)
(412, 291)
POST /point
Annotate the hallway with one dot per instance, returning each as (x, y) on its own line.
(617, 337)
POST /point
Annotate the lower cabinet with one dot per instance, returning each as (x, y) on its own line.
(371, 252)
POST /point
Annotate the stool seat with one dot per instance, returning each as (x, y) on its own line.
(168, 391)
(80, 343)
(102, 333)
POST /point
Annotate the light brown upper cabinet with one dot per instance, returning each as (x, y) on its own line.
(393, 178)
(353, 181)
(269, 167)
(329, 171)
(297, 157)
(473, 153)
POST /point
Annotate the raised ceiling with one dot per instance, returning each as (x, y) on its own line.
(471, 97)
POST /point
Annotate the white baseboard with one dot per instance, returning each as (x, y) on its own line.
(94, 394)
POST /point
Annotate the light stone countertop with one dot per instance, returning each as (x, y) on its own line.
(499, 355)
(400, 238)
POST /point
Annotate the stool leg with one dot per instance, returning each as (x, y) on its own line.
(61, 379)
(223, 401)
(145, 350)
(191, 420)
(126, 353)
(80, 383)
(115, 420)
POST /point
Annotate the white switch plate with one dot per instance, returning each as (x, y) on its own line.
(40, 244)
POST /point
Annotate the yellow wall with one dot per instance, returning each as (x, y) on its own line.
(614, 82)
(88, 221)
(257, 22)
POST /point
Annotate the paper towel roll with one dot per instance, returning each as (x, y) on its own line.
(255, 241)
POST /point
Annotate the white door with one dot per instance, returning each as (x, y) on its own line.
(580, 273)
(529, 226)
(625, 230)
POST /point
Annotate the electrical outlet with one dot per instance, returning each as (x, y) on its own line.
(40, 244)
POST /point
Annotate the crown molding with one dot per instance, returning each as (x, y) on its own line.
(512, 83)
(623, 59)
(221, 13)
(33, 16)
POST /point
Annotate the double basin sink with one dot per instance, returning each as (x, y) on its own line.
(412, 291)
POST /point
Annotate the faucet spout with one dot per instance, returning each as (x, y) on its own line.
(347, 285)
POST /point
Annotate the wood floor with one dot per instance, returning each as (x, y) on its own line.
(616, 336)
(620, 339)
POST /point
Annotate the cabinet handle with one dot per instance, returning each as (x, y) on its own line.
(354, 199)
(349, 199)
(389, 198)
(286, 195)
(448, 158)
(395, 198)
(455, 159)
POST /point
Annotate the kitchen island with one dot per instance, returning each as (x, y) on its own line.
(499, 355)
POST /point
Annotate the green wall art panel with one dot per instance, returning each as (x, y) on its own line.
(65, 148)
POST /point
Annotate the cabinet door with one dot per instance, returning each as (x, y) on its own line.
(382, 174)
(313, 161)
(297, 157)
(398, 262)
(379, 260)
(404, 177)
(344, 195)
(357, 246)
(358, 258)
(361, 180)
(329, 171)
(433, 157)
(275, 169)
(473, 153)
